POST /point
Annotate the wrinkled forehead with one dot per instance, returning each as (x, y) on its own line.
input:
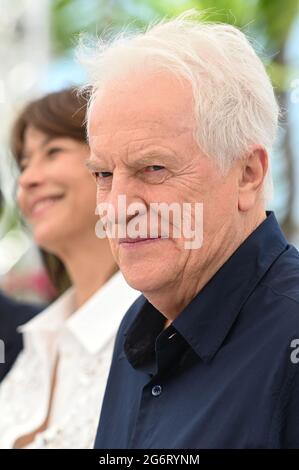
(159, 102)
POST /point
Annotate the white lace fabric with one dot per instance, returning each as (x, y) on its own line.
(84, 342)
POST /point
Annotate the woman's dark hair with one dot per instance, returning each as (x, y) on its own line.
(58, 114)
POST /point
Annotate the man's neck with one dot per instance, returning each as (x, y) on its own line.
(172, 300)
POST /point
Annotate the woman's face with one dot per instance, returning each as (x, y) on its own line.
(56, 193)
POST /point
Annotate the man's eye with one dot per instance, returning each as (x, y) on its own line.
(154, 168)
(154, 174)
(102, 175)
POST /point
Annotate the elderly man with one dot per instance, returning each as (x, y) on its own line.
(207, 357)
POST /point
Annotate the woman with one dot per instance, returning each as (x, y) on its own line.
(52, 396)
(12, 314)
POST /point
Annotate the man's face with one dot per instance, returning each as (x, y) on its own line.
(142, 146)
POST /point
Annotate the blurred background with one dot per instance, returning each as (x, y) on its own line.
(37, 55)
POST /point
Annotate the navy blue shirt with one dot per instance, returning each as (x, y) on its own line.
(225, 373)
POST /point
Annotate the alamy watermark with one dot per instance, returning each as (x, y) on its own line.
(295, 353)
(159, 220)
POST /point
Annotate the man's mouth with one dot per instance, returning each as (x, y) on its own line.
(138, 241)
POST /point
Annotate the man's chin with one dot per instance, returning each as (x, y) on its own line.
(141, 281)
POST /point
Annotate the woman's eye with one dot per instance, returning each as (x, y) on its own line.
(22, 167)
(53, 150)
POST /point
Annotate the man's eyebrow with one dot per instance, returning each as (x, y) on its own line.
(92, 164)
(151, 157)
(147, 158)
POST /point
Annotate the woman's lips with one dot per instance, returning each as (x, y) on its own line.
(40, 206)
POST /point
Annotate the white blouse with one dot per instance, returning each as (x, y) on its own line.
(83, 340)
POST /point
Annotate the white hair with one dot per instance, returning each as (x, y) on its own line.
(234, 102)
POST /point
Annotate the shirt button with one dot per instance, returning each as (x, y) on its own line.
(156, 390)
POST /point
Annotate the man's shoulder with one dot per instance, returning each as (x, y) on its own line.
(278, 296)
(282, 278)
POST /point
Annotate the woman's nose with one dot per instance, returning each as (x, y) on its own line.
(31, 177)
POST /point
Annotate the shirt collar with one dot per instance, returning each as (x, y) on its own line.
(208, 318)
(95, 323)
(206, 321)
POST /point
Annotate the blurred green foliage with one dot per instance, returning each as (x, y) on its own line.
(266, 22)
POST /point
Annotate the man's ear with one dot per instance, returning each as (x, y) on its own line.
(253, 170)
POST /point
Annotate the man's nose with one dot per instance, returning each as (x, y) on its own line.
(126, 191)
